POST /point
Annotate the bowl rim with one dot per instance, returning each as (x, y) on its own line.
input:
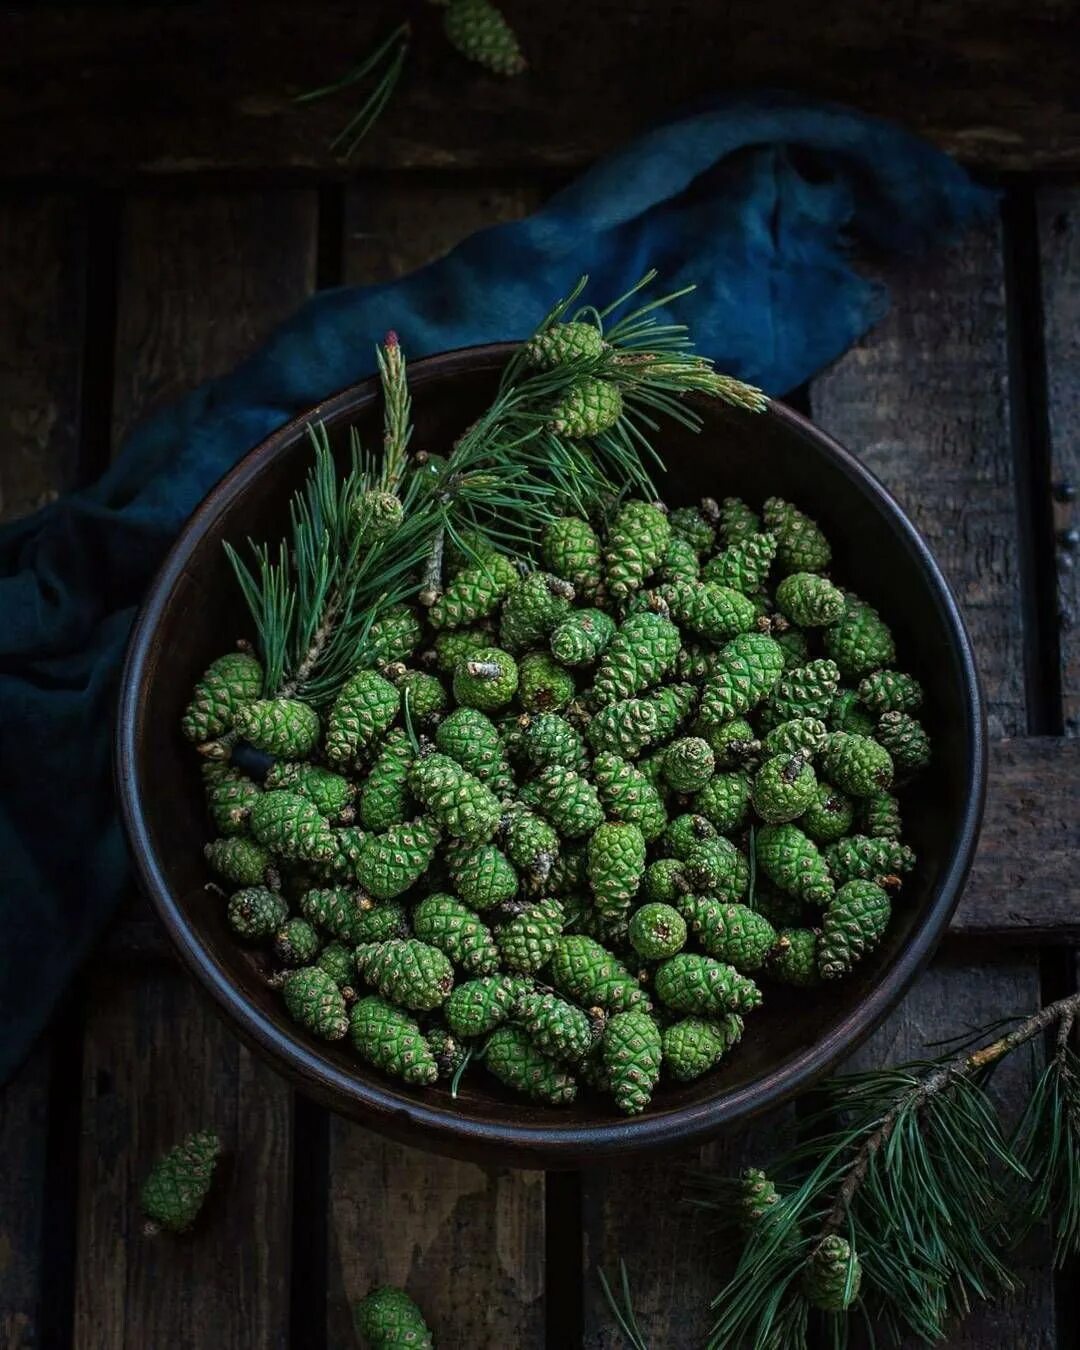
(442, 1127)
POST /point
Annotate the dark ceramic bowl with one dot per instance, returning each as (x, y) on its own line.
(194, 612)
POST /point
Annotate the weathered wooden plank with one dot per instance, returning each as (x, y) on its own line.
(1059, 242)
(24, 1104)
(158, 1064)
(923, 402)
(42, 241)
(171, 88)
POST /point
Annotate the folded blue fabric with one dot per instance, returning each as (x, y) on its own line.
(756, 200)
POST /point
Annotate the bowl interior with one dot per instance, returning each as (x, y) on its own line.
(195, 613)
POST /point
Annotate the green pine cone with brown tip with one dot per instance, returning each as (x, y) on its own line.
(800, 544)
(571, 549)
(407, 972)
(809, 600)
(857, 765)
(459, 803)
(860, 857)
(694, 1045)
(557, 1028)
(794, 958)
(750, 667)
(829, 815)
(442, 921)
(708, 609)
(526, 943)
(632, 1053)
(718, 868)
(832, 1276)
(279, 726)
(664, 881)
(728, 932)
(365, 707)
(793, 862)
(179, 1182)
(387, 1318)
(640, 654)
(906, 741)
(227, 685)
(544, 686)
(685, 833)
(657, 931)
(860, 641)
(530, 842)
(784, 787)
(315, 1001)
(689, 983)
(591, 976)
(853, 925)
(582, 637)
(391, 862)
(292, 827)
(514, 1060)
(532, 609)
(389, 1039)
(635, 547)
(255, 913)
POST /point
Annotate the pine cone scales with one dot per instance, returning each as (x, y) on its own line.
(229, 683)
(179, 1183)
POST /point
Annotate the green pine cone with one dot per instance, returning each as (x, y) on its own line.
(330, 792)
(737, 520)
(784, 787)
(564, 343)
(481, 875)
(487, 680)
(793, 862)
(673, 703)
(708, 609)
(688, 764)
(680, 561)
(336, 960)
(832, 1275)
(545, 686)
(859, 642)
(454, 645)
(460, 804)
(549, 740)
(636, 544)
(391, 862)
(385, 798)
(695, 1045)
(531, 844)
(632, 1052)
(377, 923)
(474, 593)
(685, 833)
(388, 1318)
(628, 796)
(515, 1061)
(315, 1001)
(392, 637)
(555, 1027)
(794, 958)
(657, 930)
(280, 726)
(829, 815)
(716, 867)
(443, 921)
(590, 406)
(800, 735)
(806, 691)
(809, 600)
(640, 654)
(239, 860)
(733, 743)
(757, 1196)
(528, 940)
(255, 913)
(581, 637)
(853, 925)
(890, 691)
(862, 858)
(423, 694)
(749, 669)
(472, 739)
(230, 796)
(292, 826)
(625, 728)
(591, 976)
(571, 549)
(389, 1039)
(905, 740)
(362, 711)
(801, 546)
(296, 943)
(857, 765)
(615, 867)
(880, 817)
(334, 909)
(697, 984)
(664, 881)
(744, 564)
(377, 516)
(732, 933)
(449, 1053)
(848, 713)
(534, 607)
(689, 523)
(407, 972)
(228, 684)
(696, 661)
(178, 1184)
(479, 1006)
(570, 802)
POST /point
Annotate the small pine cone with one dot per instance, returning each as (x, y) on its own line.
(377, 515)
(280, 726)
(697, 984)
(806, 691)
(337, 961)
(564, 343)
(230, 796)
(255, 913)
(890, 691)
(545, 686)
(628, 796)
(533, 608)
(859, 642)
(296, 943)
(515, 1061)
(555, 1027)
(448, 1052)
(832, 1275)
(689, 524)
(737, 520)
(581, 637)
(531, 844)
(479, 1006)
(615, 867)
(656, 931)
(865, 859)
(527, 941)
(793, 862)
(315, 1001)
(694, 1045)
(292, 826)
(330, 792)
(744, 564)
(385, 798)
(696, 661)
(732, 933)
(443, 921)
(460, 804)
(454, 645)
(388, 1318)
(800, 735)
(809, 600)
(487, 680)
(239, 860)
(688, 764)
(334, 909)
(590, 406)
(685, 834)
(716, 867)
(378, 923)
(708, 609)
(749, 668)
(680, 561)
(636, 544)
(673, 703)
(391, 862)
(856, 764)
(848, 713)
(549, 739)
(794, 958)
(801, 546)
(905, 740)
(664, 881)
(570, 802)
(424, 694)
(733, 743)
(784, 787)
(390, 1040)
(407, 972)
(591, 976)
(632, 1053)
(228, 684)
(392, 637)
(829, 815)
(625, 728)
(880, 817)
(365, 707)
(852, 926)
(481, 875)
(571, 549)
(640, 654)
(178, 1184)
(474, 593)
(472, 739)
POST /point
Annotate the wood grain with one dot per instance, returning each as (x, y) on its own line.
(168, 88)
(24, 1105)
(1059, 244)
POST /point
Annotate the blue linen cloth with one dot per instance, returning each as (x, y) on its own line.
(758, 200)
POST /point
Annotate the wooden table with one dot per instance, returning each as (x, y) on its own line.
(162, 206)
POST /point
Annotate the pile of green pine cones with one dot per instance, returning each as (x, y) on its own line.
(574, 821)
